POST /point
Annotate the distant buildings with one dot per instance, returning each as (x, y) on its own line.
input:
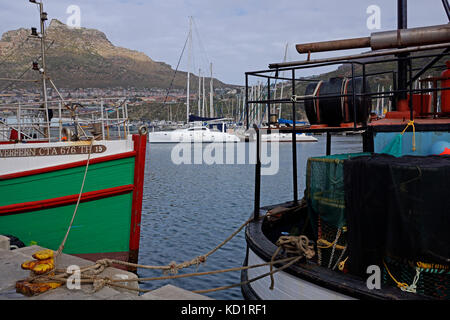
(149, 95)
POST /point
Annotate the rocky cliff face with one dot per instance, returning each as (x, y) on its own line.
(83, 58)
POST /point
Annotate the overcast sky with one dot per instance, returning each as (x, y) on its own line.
(235, 35)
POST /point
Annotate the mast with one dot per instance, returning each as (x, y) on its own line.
(282, 83)
(203, 105)
(199, 90)
(211, 92)
(189, 69)
(243, 103)
(42, 70)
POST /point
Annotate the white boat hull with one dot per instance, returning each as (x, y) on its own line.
(286, 286)
(32, 156)
(287, 137)
(194, 136)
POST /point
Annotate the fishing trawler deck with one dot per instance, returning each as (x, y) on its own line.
(341, 232)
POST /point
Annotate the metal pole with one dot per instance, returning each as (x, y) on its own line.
(402, 65)
(333, 45)
(124, 119)
(364, 98)
(257, 175)
(107, 124)
(371, 54)
(429, 65)
(246, 102)
(118, 123)
(60, 120)
(268, 100)
(189, 67)
(328, 150)
(19, 122)
(410, 102)
(294, 143)
(354, 95)
(211, 93)
(125, 105)
(204, 96)
(44, 84)
(446, 8)
(200, 93)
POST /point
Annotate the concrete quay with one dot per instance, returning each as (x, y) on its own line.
(11, 272)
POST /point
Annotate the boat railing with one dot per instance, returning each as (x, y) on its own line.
(423, 78)
(267, 94)
(70, 119)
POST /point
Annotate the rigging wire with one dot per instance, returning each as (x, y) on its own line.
(176, 70)
(25, 71)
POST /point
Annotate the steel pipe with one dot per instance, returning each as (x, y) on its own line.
(410, 37)
(358, 56)
(334, 45)
(384, 40)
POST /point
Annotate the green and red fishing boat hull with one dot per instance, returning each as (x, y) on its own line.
(37, 205)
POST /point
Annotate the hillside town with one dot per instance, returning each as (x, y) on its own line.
(136, 96)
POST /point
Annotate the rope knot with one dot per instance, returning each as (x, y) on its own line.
(173, 267)
(104, 262)
(297, 244)
(100, 283)
(200, 259)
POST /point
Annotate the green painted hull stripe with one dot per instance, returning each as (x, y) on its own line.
(66, 182)
(100, 226)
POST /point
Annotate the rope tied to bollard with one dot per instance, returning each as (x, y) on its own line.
(91, 274)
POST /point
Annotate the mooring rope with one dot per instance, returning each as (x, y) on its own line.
(299, 245)
(100, 282)
(61, 247)
(90, 274)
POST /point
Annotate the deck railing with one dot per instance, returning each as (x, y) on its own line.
(105, 118)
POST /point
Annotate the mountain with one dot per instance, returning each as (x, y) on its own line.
(85, 58)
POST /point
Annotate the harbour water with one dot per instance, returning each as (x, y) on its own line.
(189, 209)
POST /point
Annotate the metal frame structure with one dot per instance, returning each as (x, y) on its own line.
(354, 62)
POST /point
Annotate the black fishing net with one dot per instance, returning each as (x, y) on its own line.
(398, 209)
(326, 206)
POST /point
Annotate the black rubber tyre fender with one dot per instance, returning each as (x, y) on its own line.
(14, 241)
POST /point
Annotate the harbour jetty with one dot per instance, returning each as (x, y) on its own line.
(10, 268)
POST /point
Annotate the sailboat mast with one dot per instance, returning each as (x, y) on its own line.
(203, 93)
(199, 89)
(282, 83)
(189, 69)
(211, 92)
